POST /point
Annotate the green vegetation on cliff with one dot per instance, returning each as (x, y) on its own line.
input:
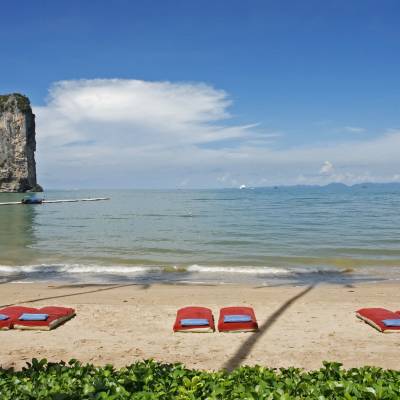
(9, 101)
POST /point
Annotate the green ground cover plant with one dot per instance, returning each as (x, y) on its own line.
(152, 380)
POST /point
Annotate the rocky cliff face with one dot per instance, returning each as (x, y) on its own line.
(17, 145)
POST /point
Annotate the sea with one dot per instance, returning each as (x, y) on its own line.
(258, 236)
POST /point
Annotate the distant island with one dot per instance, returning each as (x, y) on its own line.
(17, 145)
(340, 185)
(332, 185)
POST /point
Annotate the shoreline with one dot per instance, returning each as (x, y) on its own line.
(194, 274)
(300, 325)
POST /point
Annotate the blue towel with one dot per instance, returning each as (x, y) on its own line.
(391, 322)
(4, 317)
(33, 317)
(194, 322)
(237, 318)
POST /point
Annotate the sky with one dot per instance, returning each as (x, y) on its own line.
(207, 94)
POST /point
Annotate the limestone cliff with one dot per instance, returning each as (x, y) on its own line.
(17, 145)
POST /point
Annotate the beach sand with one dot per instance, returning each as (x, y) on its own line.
(120, 324)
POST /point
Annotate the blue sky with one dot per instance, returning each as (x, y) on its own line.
(309, 89)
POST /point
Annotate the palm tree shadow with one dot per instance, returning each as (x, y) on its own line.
(102, 289)
(248, 345)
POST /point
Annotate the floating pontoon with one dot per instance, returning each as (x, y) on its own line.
(34, 200)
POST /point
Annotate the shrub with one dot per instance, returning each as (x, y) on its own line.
(152, 380)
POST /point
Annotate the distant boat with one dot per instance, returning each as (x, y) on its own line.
(31, 200)
(242, 187)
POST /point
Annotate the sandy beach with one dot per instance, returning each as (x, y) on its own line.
(119, 324)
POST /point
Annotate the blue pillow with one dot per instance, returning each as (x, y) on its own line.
(237, 318)
(391, 322)
(4, 317)
(194, 322)
(33, 317)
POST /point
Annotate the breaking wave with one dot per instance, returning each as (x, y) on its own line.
(140, 273)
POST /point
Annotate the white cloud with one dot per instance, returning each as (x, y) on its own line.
(396, 178)
(327, 168)
(130, 133)
(227, 180)
(182, 112)
(354, 129)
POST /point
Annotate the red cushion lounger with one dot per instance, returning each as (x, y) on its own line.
(250, 326)
(194, 313)
(13, 313)
(375, 316)
(57, 316)
(5, 325)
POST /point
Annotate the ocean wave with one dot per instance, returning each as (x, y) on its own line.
(195, 274)
(75, 269)
(265, 270)
(238, 270)
(72, 269)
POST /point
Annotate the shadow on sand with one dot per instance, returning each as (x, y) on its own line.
(96, 290)
(248, 345)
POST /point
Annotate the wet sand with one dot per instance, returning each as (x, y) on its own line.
(119, 324)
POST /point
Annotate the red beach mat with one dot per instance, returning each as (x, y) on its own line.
(250, 326)
(194, 313)
(375, 316)
(16, 311)
(57, 316)
(5, 325)
(13, 313)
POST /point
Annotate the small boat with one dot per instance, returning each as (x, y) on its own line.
(31, 200)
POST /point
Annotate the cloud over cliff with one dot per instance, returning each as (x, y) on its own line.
(133, 133)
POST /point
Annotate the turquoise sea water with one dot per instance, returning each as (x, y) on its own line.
(264, 236)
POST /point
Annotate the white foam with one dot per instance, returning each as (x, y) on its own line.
(239, 270)
(82, 270)
(256, 270)
(75, 269)
(124, 270)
